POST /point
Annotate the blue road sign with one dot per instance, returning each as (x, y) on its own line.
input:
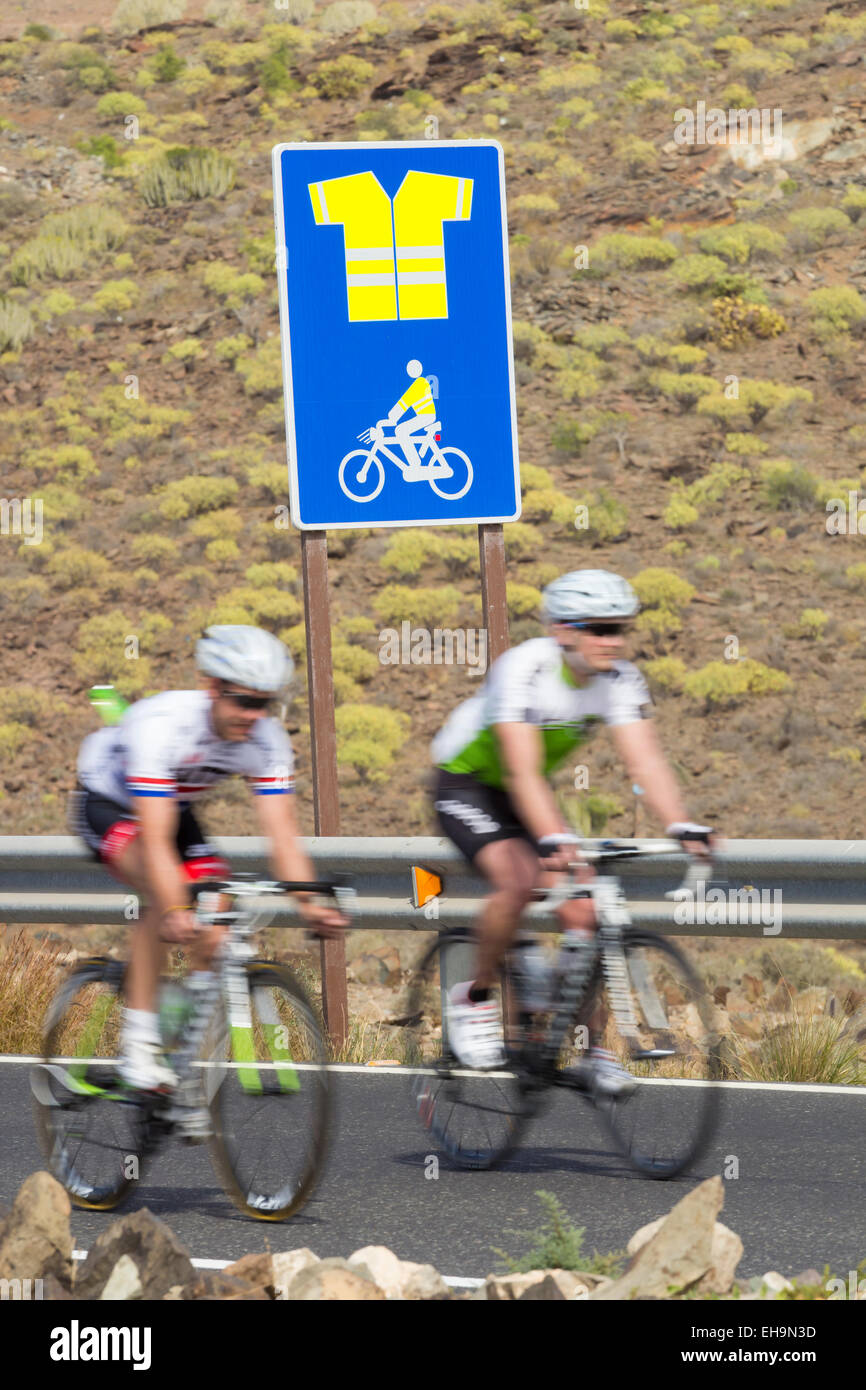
(395, 316)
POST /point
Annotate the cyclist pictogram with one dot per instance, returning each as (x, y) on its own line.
(448, 471)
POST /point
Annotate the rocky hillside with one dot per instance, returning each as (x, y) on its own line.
(689, 322)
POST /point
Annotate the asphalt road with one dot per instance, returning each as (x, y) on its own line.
(796, 1204)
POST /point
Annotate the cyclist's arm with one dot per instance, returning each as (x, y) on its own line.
(528, 789)
(290, 861)
(646, 764)
(158, 816)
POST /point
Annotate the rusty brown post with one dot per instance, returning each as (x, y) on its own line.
(491, 546)
(323, 743)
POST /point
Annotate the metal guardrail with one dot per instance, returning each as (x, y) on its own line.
(819, 885)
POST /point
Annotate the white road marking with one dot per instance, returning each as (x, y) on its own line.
(455, 1281)
(361, 1069)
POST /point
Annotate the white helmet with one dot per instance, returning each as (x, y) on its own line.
(588, 594)
(247, 656)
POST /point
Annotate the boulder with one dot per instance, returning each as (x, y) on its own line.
(424, 1282)
(286, 1264)
(773, 1283)
(214, 1284)
(124, 1281)
(35, 1239)
(544, 1285)
(153, 1247)
(257, 1270)
(399, 1278)
(726, 1251)
(333, 1281)
(678, 1255)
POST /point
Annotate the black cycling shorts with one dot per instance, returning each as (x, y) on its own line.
(474, 815)
(106, 827)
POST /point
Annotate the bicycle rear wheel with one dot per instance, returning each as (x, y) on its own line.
(267, 1086)
(666, 1122)
(90, 1129)
(476, 1117)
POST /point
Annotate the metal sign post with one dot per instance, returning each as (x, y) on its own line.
(323, 743)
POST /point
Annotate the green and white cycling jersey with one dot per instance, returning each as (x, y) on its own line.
(531, 684)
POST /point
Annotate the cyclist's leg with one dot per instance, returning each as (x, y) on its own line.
(403, 433)
(482, 824)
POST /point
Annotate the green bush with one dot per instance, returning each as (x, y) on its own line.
(606, 517)
(434, 607)
(16, 325)
(182, 175)
(812, 228)
(754, 400)
(733, 322)
(724, 682)
(132, 15)
(741, 243)
(262, 371)
(695, 271)
(369, 738)
(685, 387)
(74, 567)
(271, 573)
(195, 493)
(522, 599)
(345, 16)
(854, 201)
(626, 251)
(115, 105)
(103, 642)
(666, 672)
(835, 309)
(661, 588)
(167, 64)
(787, 486)
(354, 661)
(557, 1244)
(27, 704)
(66, 241)
(343, 77)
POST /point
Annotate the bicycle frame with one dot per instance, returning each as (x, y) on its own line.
(436, 464)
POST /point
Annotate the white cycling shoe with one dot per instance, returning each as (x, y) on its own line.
(475, 1030)
(601, 1072)
(142, 1067)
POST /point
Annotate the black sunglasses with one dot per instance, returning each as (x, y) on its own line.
(601, 629)
(248, 701)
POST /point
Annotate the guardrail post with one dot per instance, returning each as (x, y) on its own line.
(323, 743)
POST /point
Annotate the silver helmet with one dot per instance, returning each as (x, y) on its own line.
(247, 656)
(587, 594)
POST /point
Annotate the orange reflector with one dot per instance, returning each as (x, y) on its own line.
(425, 885)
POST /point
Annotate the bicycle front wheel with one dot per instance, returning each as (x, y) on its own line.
(89, 1126)
(350, 472)
(673, 1055)
(476, 1117)
(267, 1086)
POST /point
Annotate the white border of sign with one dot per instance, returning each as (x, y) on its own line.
(282, 275)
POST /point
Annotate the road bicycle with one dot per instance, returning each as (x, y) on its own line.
(664, 1021)
(248, 1047)
(362, 473)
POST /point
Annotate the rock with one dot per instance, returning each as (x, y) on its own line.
(726, 1251)
(257, 1270)
(35, 1240)
(780, 1000)
(753, 987)
(124, 1281)
(773, 1283)
(378, 967)
(508, 1288)
(54, 1291)
(424, 1282)
(808, 1276)
(288, 1263)
(216, 1284)
(161, 1259)
(679, 1254)
(382, 1266)
(333, 1281)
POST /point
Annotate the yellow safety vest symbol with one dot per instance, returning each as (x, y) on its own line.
(419, 397)
(403, 264)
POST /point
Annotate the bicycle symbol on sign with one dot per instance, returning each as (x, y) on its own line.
(448, 471)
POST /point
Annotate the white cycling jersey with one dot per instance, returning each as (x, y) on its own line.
(531, 684)
(166, 745)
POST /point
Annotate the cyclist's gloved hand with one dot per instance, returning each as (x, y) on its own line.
(178, 924)
(695, 839)
(322, 919)
(559, 850)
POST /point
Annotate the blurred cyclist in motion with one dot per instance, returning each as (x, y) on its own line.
(539, 702)
(133, 808)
